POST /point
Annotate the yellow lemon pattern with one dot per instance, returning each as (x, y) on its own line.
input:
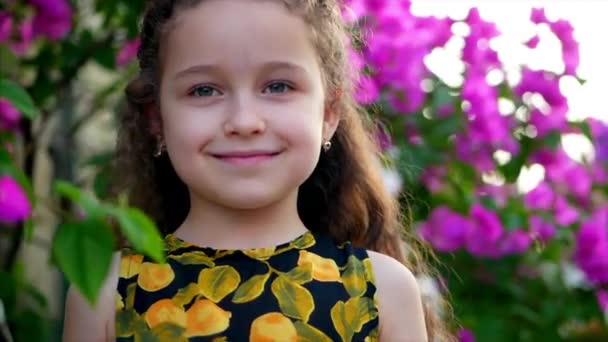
(308, 289)
(206, 318)
(153, 277)
(271, 327)
(323, 269)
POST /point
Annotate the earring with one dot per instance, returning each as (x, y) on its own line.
(160, 147)
(326, 145)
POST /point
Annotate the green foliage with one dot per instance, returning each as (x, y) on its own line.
(18, 97)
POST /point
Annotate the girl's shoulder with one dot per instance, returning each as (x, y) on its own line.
(86, 322)
(398, 296)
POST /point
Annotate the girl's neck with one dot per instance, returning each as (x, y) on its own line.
(211, 225)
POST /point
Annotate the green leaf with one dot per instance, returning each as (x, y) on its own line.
(19, 98)
(28, 229)
(5, 157)
(186, 294)
(353, 277)
(83, 251)
(72, 192)
(99, 159)
(106, 57)
(88, 203)
(442, 95)
(141, 231)
(553, 139)
(251, 289)
(193, 258)
(308, 333)
(294, 300)
(301, 274)
(31, 326)
(585, 128)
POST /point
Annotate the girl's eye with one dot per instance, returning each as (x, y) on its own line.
(278, 88)
(204, 91)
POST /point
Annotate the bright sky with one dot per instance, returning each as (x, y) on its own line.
(512, 17)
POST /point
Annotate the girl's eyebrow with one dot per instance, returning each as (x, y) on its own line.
(214, 68)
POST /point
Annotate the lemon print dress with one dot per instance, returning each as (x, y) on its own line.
(308, 289)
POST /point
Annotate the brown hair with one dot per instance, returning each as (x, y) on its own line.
(344, 197)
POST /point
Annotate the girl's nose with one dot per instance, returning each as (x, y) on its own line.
(244, 118)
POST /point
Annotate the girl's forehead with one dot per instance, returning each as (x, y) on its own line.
(238, 32)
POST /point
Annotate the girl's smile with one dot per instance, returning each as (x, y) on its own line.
(249, 157)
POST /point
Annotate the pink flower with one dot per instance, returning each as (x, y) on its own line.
(541, 229)
(533, 42)
(14, 204)
(477, 52)
(485, 233)
(394, 51)
(53, 28)
(367, 90)
(578, 180)
(591, 252)
(478, 155)
(128, 52)
(433, 177)
(570, 47)
(538, 16)
(6, 26)
(53, 18)
(465, 335)
(9, 115)
(547, 85)
(26, 35)
(52, 8)
(541, 197)
(515, 242)
(565, 214)
(445, 229)
(599, 131)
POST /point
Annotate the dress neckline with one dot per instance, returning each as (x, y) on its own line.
(301, 241)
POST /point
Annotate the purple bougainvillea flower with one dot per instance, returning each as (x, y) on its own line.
(9, 115)
(541, 229)
(14, 204)
(24, 38)
(482, 239)
(541, 197)
(53, 18)
(533, 42)
(538, 16)
(465, 335)
(564, 31)
(515, 242)
(591, 253)
(6, 26)
(445, 229)
(128, 52)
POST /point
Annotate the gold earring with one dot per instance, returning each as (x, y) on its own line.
(160, 147)
(326, 145)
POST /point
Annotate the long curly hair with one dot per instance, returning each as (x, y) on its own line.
(345, 196)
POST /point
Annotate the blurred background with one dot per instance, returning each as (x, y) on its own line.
(490, 120)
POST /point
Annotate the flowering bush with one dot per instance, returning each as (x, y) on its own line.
(517, 265)
(509, 256)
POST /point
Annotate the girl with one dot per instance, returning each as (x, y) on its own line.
(245, 144)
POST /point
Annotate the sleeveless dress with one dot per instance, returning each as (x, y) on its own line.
(308, 289)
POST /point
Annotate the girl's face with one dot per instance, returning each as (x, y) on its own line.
(242, 102)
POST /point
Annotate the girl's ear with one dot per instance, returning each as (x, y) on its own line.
(154, 118)
(331, 116)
